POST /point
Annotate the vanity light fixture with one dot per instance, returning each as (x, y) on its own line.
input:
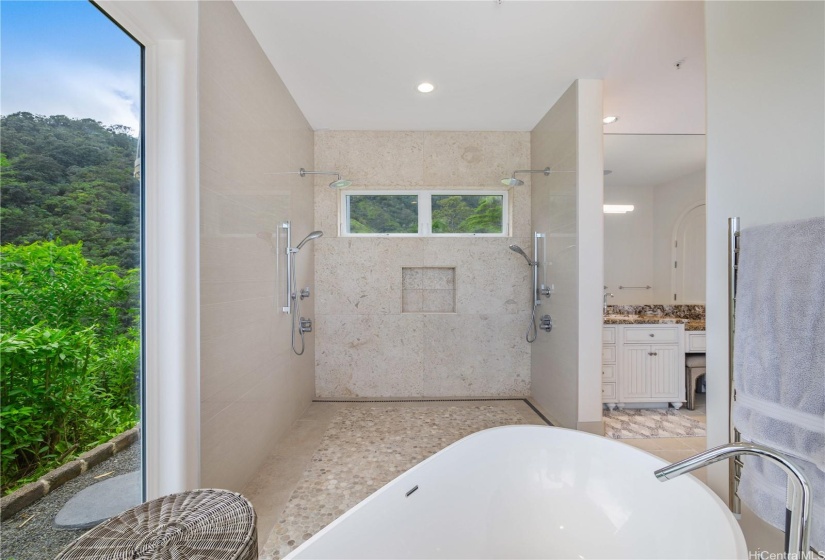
(618, 208)
(610, 119)
(425, 87)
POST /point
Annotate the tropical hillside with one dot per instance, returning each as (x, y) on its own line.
(71, 179)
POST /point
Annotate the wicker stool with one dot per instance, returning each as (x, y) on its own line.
(201, 524)
(695, 367)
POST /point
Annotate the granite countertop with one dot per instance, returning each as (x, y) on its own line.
(690, 324)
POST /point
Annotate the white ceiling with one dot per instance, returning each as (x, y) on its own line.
(645, 160)
(354, 65)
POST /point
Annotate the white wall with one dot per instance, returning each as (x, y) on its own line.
(638, 245)
(567, 207)
(669, 203)
(766, 149)
(590, 186)
(628, 245)
(252, 386)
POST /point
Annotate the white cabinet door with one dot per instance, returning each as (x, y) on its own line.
(635, 378)
(664, 374)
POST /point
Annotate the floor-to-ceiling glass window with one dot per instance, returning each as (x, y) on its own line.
(70, 272)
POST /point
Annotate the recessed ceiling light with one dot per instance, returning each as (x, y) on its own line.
(610, 120)
(618, 208)
(425, 87)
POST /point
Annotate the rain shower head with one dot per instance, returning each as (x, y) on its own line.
(514, 182)
(339, 183)
(310, 237)
(520, 251)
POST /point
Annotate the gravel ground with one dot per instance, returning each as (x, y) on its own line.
(36, 538)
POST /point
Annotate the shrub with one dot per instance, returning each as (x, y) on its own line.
(69, 356)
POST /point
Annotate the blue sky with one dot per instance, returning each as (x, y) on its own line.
(67, 58)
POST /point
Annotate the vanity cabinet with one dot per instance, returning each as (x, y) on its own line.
(695, 342)
(645, 364)
(609, 365)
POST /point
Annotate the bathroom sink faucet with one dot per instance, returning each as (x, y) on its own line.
(798, 504)
(604, 303)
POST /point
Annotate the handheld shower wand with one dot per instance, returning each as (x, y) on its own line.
(300, 324)
(520, 251)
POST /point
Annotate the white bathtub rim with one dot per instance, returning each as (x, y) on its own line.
(741, 545)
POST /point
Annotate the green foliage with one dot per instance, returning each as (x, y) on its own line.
(383, 214)
(467, 214)
(69, 351)
(53, 284)
(72, 179)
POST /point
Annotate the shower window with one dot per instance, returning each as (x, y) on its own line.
(424, 213)
(458, 213)
(382, 214)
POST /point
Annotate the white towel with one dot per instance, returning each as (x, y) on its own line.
(779, 361)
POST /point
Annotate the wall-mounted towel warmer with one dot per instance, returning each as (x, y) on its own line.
(735, 464)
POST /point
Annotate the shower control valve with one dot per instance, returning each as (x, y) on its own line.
(546, 323)
(306, 325)
(305, 293)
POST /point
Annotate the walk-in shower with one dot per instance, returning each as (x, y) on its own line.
(537, 291)
(300, 325)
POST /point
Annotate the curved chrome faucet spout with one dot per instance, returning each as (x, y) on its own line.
(798, 504)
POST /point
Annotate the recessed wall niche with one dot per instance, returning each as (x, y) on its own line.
(427, 290)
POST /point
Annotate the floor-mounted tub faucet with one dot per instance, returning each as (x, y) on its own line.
(798, 504)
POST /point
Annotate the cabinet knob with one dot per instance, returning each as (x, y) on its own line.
(651, 335)
(652, 353)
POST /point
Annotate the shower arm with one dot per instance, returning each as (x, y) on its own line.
(303, 173)
(546, 171)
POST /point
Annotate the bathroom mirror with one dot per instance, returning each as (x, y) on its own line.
(654, 253)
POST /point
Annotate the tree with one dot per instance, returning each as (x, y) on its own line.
(73, 179)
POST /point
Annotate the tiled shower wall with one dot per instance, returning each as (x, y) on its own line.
(365, 345)
(252, 386)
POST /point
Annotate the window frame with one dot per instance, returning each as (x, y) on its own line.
(424, 211)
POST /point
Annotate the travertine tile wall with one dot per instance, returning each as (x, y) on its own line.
(252, 386)
(365, 345)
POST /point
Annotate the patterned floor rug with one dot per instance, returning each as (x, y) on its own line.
(362, 450)
(650, 423)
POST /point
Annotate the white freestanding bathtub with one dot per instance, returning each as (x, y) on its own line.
(534, 492)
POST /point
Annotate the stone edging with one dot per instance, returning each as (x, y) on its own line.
(30, 493)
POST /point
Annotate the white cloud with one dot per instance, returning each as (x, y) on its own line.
(54, 88)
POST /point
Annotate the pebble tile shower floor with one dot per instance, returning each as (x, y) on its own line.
(366, 446)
